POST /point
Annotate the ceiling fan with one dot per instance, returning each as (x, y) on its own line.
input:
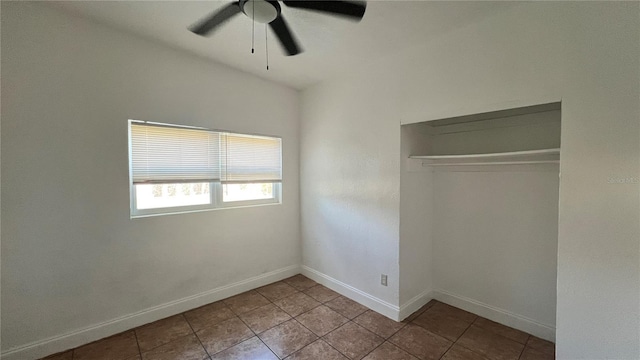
(269, 12)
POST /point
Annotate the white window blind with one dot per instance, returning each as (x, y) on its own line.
(250, 159)
(162, 154)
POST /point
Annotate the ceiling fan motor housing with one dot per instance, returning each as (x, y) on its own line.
(268, 12)
(262, 11)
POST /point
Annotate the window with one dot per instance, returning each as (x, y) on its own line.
(178, 169)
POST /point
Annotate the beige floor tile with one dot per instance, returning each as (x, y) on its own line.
(300, 282)
(490, 345)
(264, 318)
(252, 349)
(346, 307)
(453, 311)
(185, 348)
(445, 322)
(287, 338)
(421, 343)
(277, 290)
(508, 332)
(161, 332)
(67, 355)
(419, 312)
(321, 320)
(246, 302)
(208, 315)
(378, 324)
(321, 293)
(117, 347)
(388, 351)
(297, 304)
(543, 346)
(318, 350)
(353, 341)
(457, 352)
(224, 335)
(530, 353)
(298, 319)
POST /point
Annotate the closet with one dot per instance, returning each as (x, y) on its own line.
(479, 206)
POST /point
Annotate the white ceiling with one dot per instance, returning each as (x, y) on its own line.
(331, 45)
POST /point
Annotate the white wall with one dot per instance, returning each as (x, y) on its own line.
(416, 221)
(585, 54)
(350, 200)
(495, 241)
(71, 256)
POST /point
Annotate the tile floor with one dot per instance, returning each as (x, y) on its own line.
(297, 319)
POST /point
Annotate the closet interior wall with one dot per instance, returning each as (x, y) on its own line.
(484, 237)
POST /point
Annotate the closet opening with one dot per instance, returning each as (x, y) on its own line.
(479, 214)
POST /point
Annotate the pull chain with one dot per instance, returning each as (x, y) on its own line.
(266, 43)
(253, 24)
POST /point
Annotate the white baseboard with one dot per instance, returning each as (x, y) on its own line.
(522, 323)
(415, 304)
(41, 348)
(378, 305)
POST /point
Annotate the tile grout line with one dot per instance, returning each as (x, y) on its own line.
(432, 333)
(524, 347)
(496, 334)
(272, 302)
(135, 334)
(171, 341)
(328, 343)
(269, 328)
(292, 318)
(383, 339)
(196, 335)
(321, 337)
(256, 334)
(388, 338)
(458, 338)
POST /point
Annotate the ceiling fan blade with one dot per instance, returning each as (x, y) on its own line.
(279, 26)
(208, 24)
(352, 9)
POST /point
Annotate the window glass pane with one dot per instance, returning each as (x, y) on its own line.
(153, 196)
(243, 192)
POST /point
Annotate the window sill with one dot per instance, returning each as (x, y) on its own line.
(225, 207)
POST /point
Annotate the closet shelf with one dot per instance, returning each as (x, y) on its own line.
(543, 156)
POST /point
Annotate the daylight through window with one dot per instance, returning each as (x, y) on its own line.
(179, 169)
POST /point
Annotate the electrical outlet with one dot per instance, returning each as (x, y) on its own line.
(383, 280)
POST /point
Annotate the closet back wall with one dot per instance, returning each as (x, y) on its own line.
(495, 240)
(71, 256)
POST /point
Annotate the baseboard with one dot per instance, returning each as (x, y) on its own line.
(378, 305)
(415, 304)
(522, 323)
(41, 348)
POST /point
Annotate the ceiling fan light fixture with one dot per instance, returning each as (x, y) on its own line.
(262, 11)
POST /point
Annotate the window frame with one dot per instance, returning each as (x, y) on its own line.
(276, 190)
(215, 190)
